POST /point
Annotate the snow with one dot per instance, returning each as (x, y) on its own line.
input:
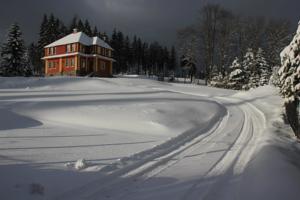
(81, 164)
(101, 43)
(79, 37)
(135, 138)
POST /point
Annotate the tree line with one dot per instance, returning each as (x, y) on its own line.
(220, 36)
(139, 57)
(132, 55)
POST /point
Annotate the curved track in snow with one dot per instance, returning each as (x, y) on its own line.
(205, 163)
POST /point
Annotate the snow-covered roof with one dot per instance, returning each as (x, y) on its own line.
(81, 38)
(100, 42)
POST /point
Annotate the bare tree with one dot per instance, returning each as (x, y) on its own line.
(188, 43)
(277, 37)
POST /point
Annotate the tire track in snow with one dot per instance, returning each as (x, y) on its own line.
(141, 163)
(234, 161)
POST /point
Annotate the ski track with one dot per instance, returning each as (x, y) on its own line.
(122, 183)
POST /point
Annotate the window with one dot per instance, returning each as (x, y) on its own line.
(52, 64)
(68, 48)
(52, 51)
(71, 48)
(67, 62)
(70, 62)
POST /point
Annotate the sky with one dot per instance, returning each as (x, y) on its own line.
(152, 20)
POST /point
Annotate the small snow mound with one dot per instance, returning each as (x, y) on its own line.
(81, 164)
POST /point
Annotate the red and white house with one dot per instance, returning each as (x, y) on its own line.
(78, 55)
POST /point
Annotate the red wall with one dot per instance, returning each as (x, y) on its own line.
(52, 70)
(61, 49)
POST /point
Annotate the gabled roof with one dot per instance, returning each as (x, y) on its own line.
(79, 37)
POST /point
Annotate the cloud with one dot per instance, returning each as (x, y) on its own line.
(150, 19)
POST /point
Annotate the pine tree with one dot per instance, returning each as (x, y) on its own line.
(145, 58)
(27, 66)
(104, 37)
(217, 77)
(237, 75)
(275, 79)
(43, 40)
(80, 26)
(254, 81)
(87, 28)
(52, 29)
(249, 65)
(126, 54)
(290, 70)
(172, 63)
(12, 53)
(63, 31)
(74, 24)
(263, 68)
(166, 60)
(95, 32)
(34, 57)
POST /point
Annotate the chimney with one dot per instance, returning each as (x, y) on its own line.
(75, 30)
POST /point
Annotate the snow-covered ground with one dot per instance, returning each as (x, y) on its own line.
(142, 139)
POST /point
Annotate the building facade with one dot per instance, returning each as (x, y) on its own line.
(78, 55)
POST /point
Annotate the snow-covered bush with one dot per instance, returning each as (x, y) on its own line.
(237, 76)
(217, 79)
(290, 69)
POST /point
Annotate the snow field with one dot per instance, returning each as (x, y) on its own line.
(133, 138)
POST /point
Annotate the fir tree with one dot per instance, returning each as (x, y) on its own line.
(249, 65)
(237, 75)
(104, 37)
(172, 63)
(12, 53)
(74, 24)
(95, 32)
(80, 26)
(52, 29)
(290, 70)
(34, 56)
(263, 68)
(275, 78)
(126, 53)
(27, 66)
(63, 30)
(43, 40)
(217, 77)
(87, 28)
